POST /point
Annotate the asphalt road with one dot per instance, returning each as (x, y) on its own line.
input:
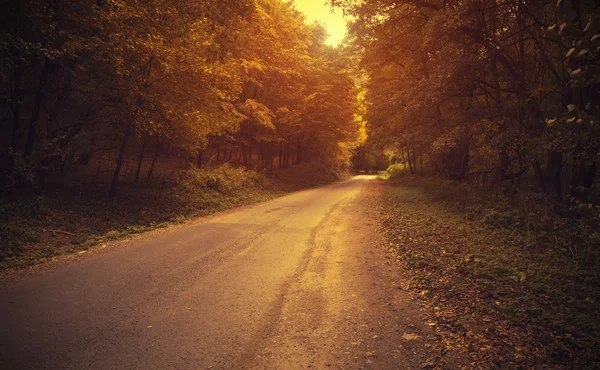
(297, 282)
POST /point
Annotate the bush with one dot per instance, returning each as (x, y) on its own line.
(395, 169)
(224, 179)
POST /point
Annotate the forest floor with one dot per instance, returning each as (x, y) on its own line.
(67, 218)
(486, 288)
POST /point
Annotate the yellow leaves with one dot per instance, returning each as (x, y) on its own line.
(258, 113)
(410, 336)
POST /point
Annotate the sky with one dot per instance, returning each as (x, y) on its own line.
(318, 10)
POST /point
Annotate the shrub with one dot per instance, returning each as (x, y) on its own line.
(395, 169)
(224, 179)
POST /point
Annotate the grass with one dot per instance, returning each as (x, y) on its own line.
(514, 283)
(70, 218)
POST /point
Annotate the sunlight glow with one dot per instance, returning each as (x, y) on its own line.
(320, 11)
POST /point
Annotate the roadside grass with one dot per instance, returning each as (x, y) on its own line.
(516, 284)
(71, 219)
(383, 176)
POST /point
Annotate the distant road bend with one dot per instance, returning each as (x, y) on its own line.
(296, 282)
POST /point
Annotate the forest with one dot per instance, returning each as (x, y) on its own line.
(119, 116)
(94, 84)
(499, 93)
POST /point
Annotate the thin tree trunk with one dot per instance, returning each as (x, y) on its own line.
(17, 102)
(58, 104)
(299, 148)
(410, 162)
(250, 157)
(298, 154)
(553, 171)
(280, 154)
(199, 159)
(151, 171)
(140, 160)
(37, 107)
(414, 157)
(210, 153)
(115, 180)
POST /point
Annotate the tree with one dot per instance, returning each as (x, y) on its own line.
(472, 85)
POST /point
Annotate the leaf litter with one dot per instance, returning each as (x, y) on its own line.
(475, 291)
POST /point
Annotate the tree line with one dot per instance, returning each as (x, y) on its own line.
(492, 91)
(242, 81)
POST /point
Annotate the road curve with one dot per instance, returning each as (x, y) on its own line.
(291, 283)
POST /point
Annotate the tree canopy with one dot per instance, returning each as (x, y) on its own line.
(488, 90)
(492, 91)
(83, 78)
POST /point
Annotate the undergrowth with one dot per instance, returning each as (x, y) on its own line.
(514, 282)
(68, 219)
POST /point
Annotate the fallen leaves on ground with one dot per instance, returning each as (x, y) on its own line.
(482, 295)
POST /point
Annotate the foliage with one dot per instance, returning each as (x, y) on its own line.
(83, 80)
(395, 169)
(484, 90)
(223, 179)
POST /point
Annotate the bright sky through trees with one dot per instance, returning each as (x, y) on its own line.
(319, 10)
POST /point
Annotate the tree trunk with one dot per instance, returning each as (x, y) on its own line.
(156, 151)
(298, 154)
(17, 96)
(115, 180)
(199, 159)
(35, 113)
(552, 173)
(224, 153)
(140, 160)
(244, 154)
(210, 153)
(99, 167)
(280, 158)
(61, 97)
(414, 157)
(410, 162)
(539, 176)
(299, 148)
